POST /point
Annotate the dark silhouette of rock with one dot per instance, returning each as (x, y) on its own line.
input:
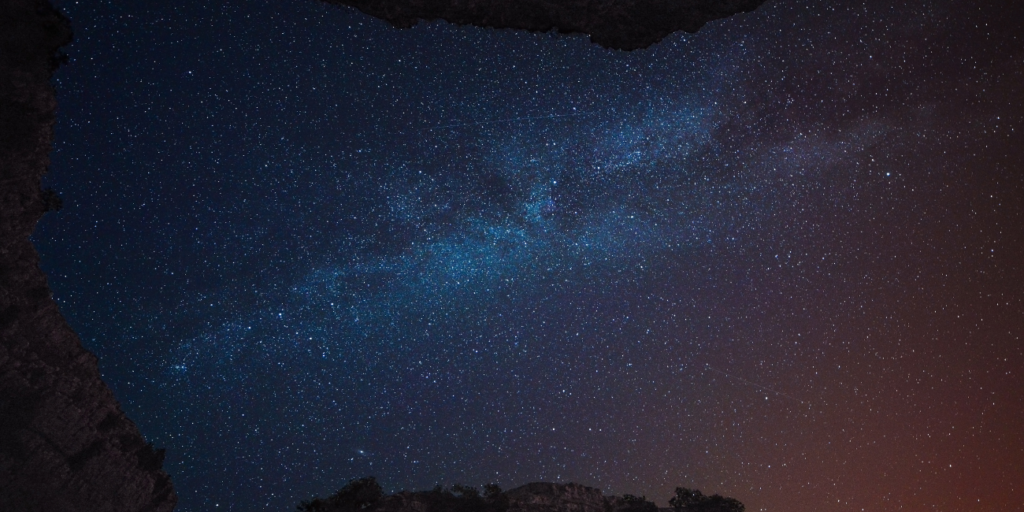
(65, 445)
(618, 24)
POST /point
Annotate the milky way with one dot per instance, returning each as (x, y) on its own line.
(778, 259)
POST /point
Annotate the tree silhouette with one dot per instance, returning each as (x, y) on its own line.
(465, 491)
(492, 491)
(366, 495)
(692, 500)
(356, 495)
(638, 504)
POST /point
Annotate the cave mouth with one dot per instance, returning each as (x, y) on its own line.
(349, 251)
(99, 280)
(305, 260)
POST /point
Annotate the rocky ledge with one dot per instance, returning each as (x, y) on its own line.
(617, 24)
(65, 444)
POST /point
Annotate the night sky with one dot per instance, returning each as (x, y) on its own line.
(781, 259)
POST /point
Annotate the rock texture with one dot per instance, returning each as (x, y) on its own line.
(618, 24)
(65, 444)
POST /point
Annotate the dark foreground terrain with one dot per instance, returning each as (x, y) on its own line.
(366, 494)
(65, 444)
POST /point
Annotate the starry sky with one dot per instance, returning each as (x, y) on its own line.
(780, 259)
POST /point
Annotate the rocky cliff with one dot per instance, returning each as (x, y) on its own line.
(618, 24)
(65, 445)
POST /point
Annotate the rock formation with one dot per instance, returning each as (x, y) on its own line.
(65, 445)
(618, 24)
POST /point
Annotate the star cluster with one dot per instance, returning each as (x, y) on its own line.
(778, 259)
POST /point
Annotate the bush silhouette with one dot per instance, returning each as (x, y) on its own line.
(692, 500)
(366, 495)
(465, 491)
(638, 504)
(463, 498)
(492, 491)
(356, 495)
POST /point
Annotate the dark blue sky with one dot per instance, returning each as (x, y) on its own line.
(778, 259)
